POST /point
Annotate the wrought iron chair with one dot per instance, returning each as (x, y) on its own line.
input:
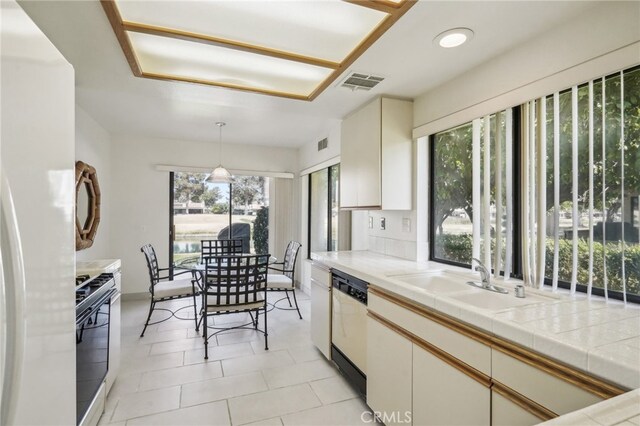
(234, 284)
(163, 290)
(284, 280)
(210, 248)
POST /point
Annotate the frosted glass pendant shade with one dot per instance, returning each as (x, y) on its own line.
(220, 175)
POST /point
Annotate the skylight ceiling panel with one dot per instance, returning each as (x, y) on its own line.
(328, 29)
(197, 61)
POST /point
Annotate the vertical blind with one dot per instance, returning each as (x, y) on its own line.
(580, 187)
(577, 180)
(492, 191)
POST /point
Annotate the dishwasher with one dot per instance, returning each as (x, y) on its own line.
(349, 328)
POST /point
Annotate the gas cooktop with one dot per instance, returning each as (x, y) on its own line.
(89, 289)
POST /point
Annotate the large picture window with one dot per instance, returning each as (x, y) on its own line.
(201, 210)
(585, 233)
(472, 193)
(548, 191)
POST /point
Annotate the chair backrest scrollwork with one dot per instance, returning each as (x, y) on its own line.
(290, 256)
(219, 247)
(235, 280)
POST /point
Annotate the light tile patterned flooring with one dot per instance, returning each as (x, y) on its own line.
(165, 380)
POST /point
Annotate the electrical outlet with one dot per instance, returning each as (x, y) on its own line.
(406, 224)
(370, 222)
(383, 223)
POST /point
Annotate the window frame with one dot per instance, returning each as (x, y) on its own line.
(330, 189)
(172, 177)
(516, 250)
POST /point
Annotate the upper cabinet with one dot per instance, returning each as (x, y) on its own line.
(376, 156)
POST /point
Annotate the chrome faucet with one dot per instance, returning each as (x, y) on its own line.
(485, 277)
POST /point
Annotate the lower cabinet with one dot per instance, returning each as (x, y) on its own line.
(453, 375)
(504, 412)
(388, 374)
(444, 395)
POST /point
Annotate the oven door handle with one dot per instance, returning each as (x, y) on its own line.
(93, 308)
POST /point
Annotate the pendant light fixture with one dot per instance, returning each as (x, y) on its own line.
(220, 174)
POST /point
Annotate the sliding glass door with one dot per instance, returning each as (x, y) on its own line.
(200, 210)
(323, 210)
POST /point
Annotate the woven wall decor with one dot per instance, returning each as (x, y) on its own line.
(86, 228)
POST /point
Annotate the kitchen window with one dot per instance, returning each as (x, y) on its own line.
(570, 216)
(584, 232)
(324, 186)
(473, 193)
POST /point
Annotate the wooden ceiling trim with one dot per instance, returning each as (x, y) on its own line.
(279, 94)
(394, 11)
(380, 6)
(231, 44)
(113, 14)
(364, 45)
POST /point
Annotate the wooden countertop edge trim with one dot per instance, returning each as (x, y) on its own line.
(464, 368)
(566, 373)
(441, 319)
(523, 402)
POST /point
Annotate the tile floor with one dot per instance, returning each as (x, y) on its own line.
(165, 380)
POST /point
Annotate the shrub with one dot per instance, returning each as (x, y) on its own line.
(261, 231)
(220, 208)
(458, 248)
(614, 263)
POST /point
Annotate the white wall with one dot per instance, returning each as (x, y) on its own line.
(308, 154)
(591, 45)
(93, 146)
(140, 210)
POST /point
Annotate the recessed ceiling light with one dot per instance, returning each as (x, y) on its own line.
(453, 37)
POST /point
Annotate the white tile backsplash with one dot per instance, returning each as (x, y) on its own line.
(394, 240)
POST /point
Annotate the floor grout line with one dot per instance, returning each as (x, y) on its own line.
(290, 338)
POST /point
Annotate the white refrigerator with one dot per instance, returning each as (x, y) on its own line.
(37, 219)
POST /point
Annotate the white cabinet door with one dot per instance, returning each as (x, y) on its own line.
(369, 154)
(444, 395)
(321, 317)
(388, 374)
(376, 156)
(506, 413)
(397, 154)
(545, 389)
(349, 162)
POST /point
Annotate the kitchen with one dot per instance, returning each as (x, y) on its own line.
(137, 132)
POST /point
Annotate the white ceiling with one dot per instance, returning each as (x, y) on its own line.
(405, 55)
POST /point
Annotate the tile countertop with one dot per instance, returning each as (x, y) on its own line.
(623, 410)
(600, 338)
(98, 266)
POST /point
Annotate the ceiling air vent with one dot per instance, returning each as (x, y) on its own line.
(360, 81)
(323, 144)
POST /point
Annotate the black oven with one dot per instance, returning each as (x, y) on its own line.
(92, 340)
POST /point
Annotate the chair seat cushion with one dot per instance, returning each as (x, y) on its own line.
(232, 303)
(173, 288)
(279, 281)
